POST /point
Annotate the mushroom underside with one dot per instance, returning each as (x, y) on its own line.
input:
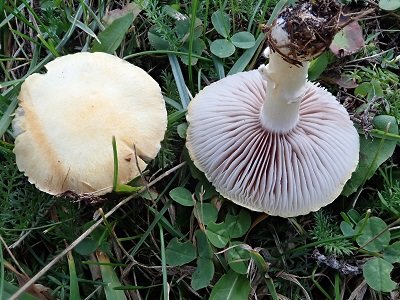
(284, 174)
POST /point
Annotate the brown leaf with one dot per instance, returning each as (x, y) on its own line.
(118, 13)
(37, 290)
(348, 41)
(341, 80)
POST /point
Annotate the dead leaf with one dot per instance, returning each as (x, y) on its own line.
(37, 290)
(114, 14)
(348, 41)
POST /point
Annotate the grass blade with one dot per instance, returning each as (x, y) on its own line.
(164, 265)
(5, 120)
(151, 226)
(173, 103)
(110, 277)
(191, 35)
(1, 273)
(180, 82)
(111, 38)
(73, 279)
(81, 26)
(9, 289)
(277, 9)
(219, 67)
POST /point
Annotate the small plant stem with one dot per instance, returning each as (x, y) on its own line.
(271, 287)
(163, 264)
(337, 287)
(1, 272)
(364, 222)
(206, 17)
(319, 286)
(191, 37)
(388, 136)
(115, 154)
(233, 15)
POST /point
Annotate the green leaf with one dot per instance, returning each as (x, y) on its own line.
(354, 215)
(182, 196)
(243, 40)
(246, 57)
(371, 237)
(392, 253)
(376, 272)
(363, 89)
(110, 277)
(181, 130)
(113, 35)
(205, 267)
(206, 213)
(369, 89)
(259, 261)
(233, 227)
(238, 258)
(231, 286)
(346, 229)
(87, 246)
(222, 48)
(197, 48)
(218, 234)
(182, 29)
(178, 254)
(203, 274)
(221, 23)
(156, 40)
(389, 4)
(239, 224)
(373, 152)
(318, 66)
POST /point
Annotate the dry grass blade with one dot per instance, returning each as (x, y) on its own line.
(293, 279)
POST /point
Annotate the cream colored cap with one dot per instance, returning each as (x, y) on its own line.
(67, 117)
(284, 174)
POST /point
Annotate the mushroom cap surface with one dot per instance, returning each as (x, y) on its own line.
(67, 117)
(283, 174)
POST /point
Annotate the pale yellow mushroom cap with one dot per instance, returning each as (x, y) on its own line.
(67, 117)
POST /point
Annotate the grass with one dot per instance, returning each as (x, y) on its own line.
(142, 243)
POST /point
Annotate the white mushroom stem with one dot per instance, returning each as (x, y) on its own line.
(285, 87)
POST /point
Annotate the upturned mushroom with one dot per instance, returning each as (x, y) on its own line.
(270, 140)
(67, 118)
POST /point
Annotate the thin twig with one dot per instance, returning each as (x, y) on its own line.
(12, 256)
(369, 57)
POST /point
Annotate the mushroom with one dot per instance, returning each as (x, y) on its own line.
(67, 118)
(268, 139)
